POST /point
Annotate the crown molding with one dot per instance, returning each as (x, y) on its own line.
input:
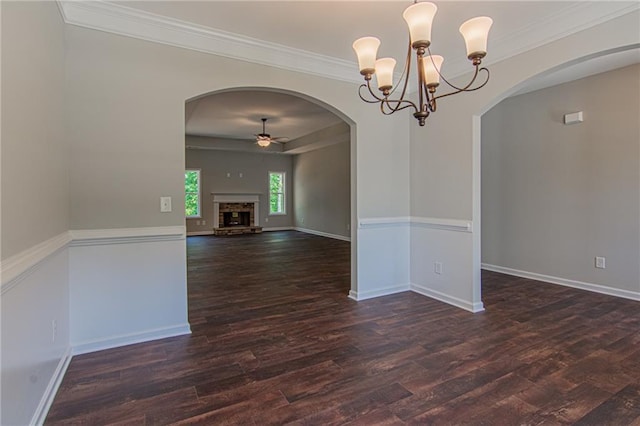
(122, 20)
(569, 20)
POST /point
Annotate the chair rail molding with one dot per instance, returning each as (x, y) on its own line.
(87, 237)
(417, 221)
(18, 266)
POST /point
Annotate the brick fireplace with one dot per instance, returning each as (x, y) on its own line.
(236, 214)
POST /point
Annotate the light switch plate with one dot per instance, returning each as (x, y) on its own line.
(165, 204)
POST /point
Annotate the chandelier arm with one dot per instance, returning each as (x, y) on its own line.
(407, 70)
(405, 74)
(368, 86)
(462, 89)
(398, 102)
(466, 88)
(429, 104)
(404, 78)
(384, 101)
(408, 104)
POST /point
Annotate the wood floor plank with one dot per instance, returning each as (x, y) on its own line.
(275, 340)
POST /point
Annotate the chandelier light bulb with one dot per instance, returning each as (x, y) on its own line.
(384, 73)
(419, 17)
(366, 49)
(432, 65)
(475, 32)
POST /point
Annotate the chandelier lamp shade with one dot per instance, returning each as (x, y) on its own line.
(419, 17)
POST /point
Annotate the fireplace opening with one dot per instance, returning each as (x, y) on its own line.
(236, 219)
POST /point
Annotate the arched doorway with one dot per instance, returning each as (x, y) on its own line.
(568, 156)
(228, 121)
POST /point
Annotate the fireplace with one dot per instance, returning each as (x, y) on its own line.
(236, 214)
(236, 219)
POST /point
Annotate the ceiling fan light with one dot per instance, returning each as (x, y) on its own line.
(263, 142)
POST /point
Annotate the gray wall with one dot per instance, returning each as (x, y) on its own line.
(554, 196)
(255, 168)
(35, 200)
(126, 105)
(35, 152)
(322, 190)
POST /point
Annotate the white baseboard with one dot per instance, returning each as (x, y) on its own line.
(596, 288)
(198, 233)
(50, 392)
(462, 304)
(323, 234)
(278, 228)
(358, 296)
(129, 339)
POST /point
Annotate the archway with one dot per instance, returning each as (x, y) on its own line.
(600, 62)
(263, 102)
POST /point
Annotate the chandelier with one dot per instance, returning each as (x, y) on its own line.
(419, 17)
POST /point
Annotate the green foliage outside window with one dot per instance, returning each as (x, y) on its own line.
(276, 192)
(192, 192)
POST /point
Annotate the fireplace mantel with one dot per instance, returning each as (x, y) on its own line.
(235, 197)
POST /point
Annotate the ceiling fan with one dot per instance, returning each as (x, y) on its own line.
(264, 139)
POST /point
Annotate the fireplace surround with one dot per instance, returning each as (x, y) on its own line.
(236, 214)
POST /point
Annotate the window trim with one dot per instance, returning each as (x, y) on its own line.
(284, 193)
(199, 215)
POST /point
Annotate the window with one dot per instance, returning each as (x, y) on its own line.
(192, 193)
(276, 193)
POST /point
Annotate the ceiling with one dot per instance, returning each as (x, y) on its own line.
(238, 114)
(317, 35)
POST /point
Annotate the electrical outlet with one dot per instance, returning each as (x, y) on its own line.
(437, 267)
(266, 219)
(348, 227)
(54, 330)
(204, 222)
(197, 223)
(600, 262)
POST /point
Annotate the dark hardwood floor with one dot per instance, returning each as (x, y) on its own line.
(276, 340)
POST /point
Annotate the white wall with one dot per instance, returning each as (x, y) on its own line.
(554, 196)
(35, 197)
(322, 190)
(126, 290)
(33, 361)
(255, 168)
(445, 157)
